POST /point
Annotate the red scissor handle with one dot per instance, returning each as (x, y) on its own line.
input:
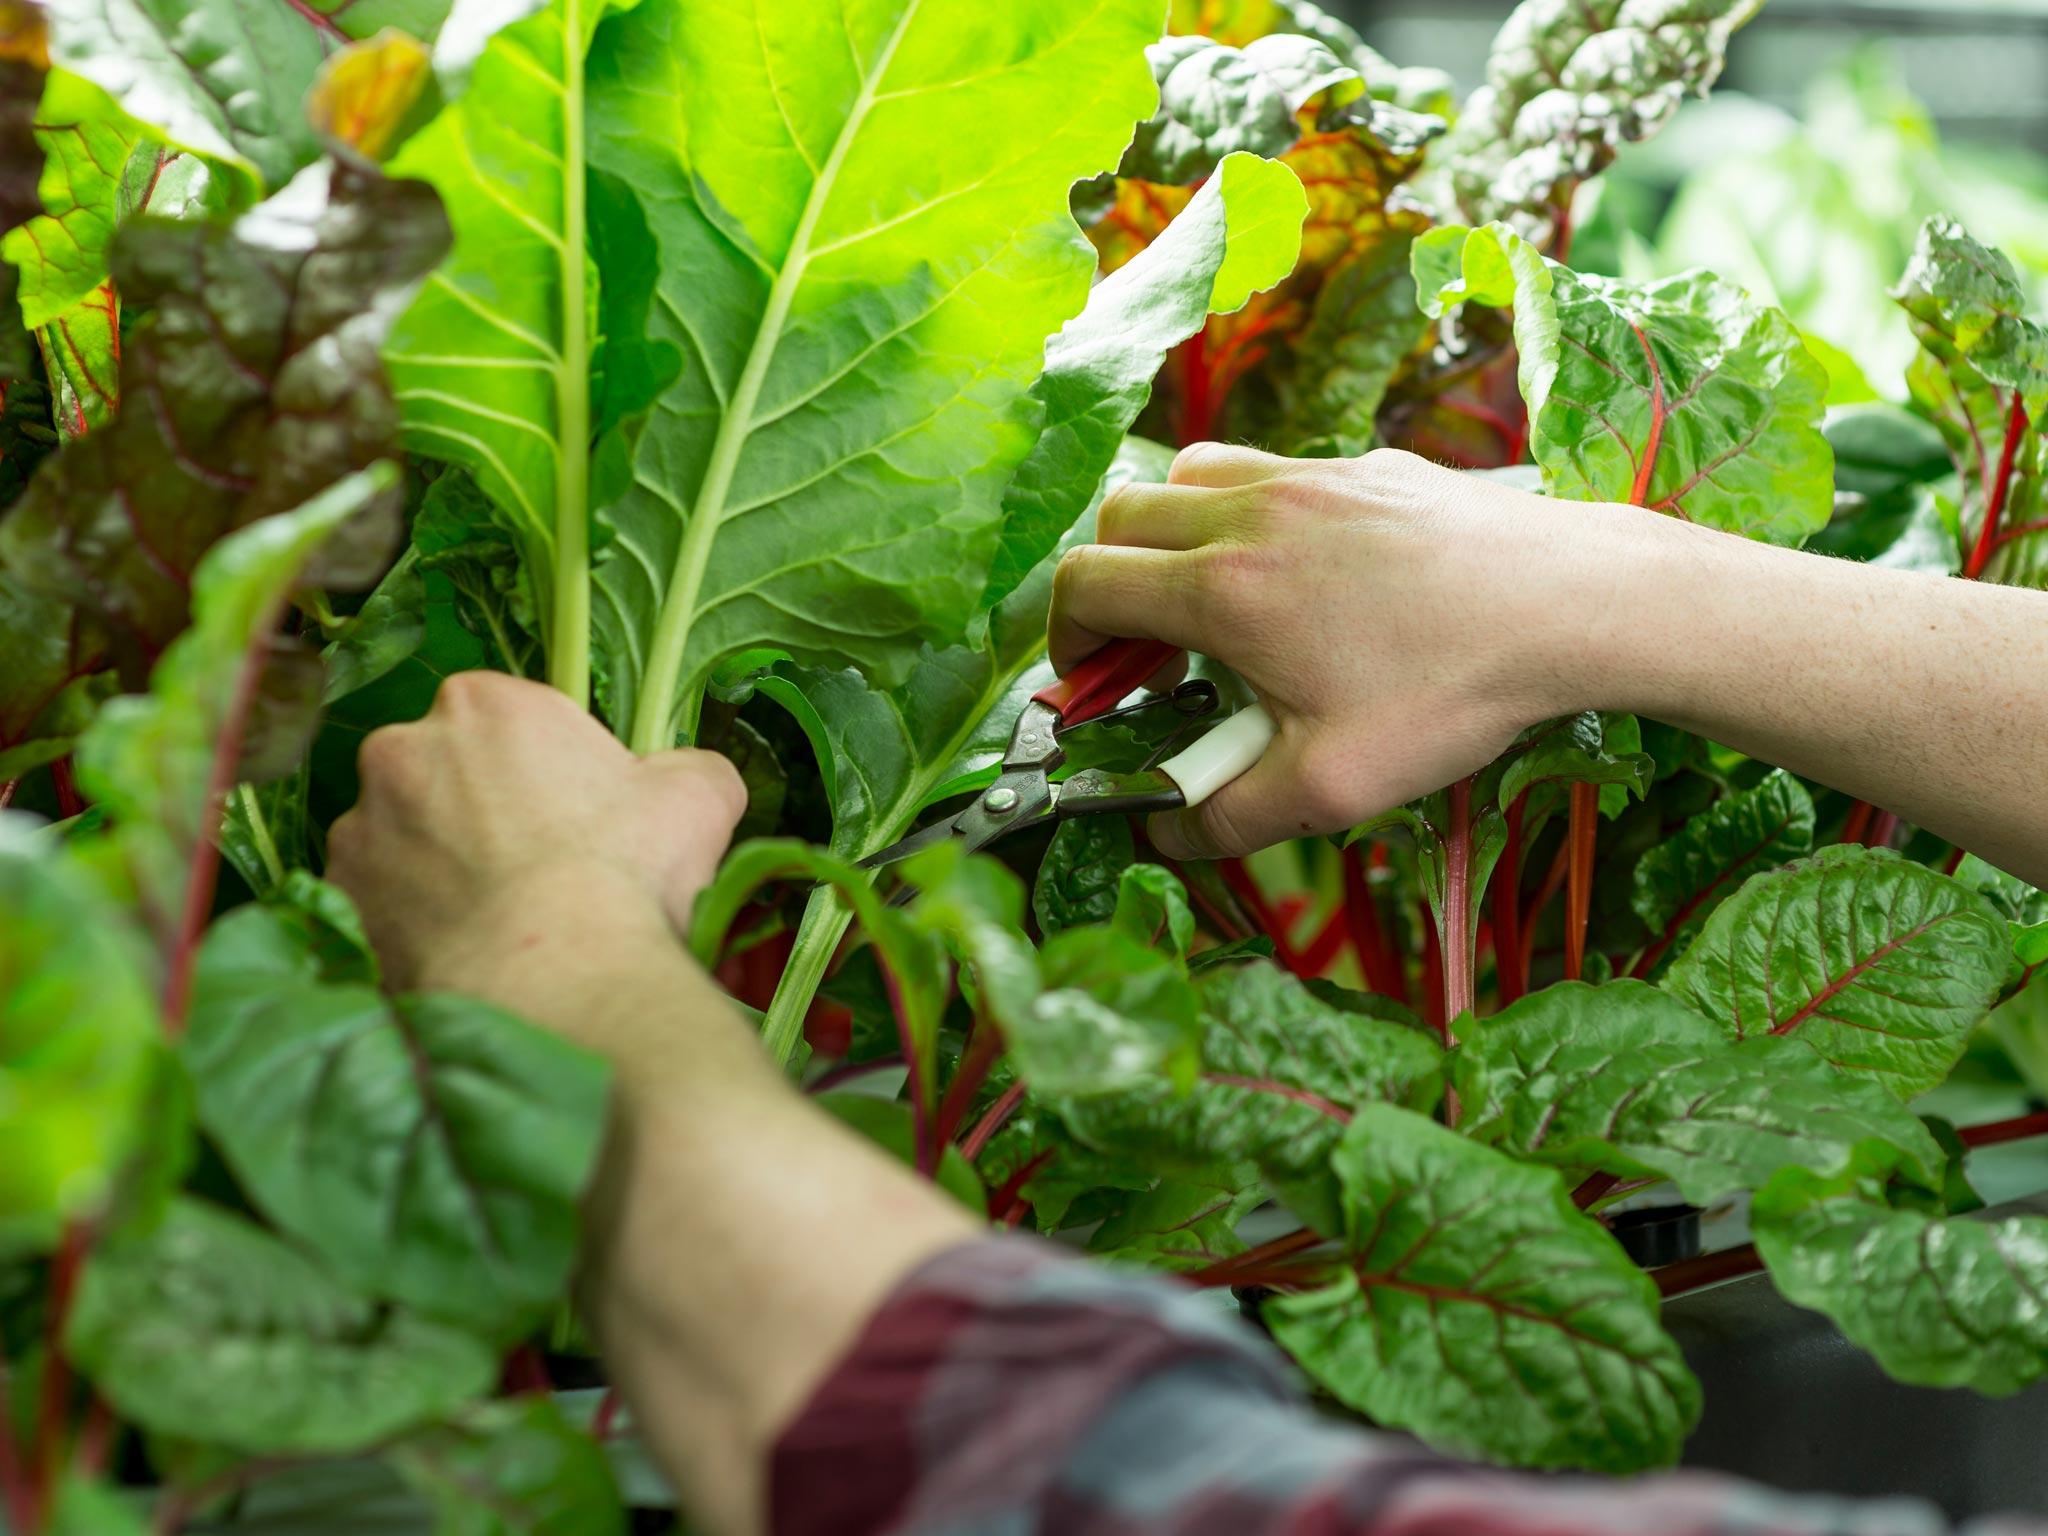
(1098, 684)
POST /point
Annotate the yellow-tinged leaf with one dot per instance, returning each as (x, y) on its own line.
(365, 92)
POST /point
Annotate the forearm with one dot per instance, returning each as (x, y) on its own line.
(738, 1237)
(1923, 695)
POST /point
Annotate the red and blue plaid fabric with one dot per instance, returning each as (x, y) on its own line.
(1006, 1389)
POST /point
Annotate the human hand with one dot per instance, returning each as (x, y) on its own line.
(504, 795)
(1401, 621)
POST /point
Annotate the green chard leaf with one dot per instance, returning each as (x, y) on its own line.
(1281, 1073)
(1080, 877)
(1178, 1225)
(492, 365)
(79, 1043)
(431, 1149)
(1938, 1302)
(1625, 1079)
(1114, 1018)
(1680, 882)
(891, 1125)
(207, 1328)
(1152, 907)
(1981, 375)
(1681, 395)
(103, 169)
(513, 1468)
(1877, 963)
(1479, 1309)
(857, 346)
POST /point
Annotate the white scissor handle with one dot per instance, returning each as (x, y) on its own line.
(1221, 755)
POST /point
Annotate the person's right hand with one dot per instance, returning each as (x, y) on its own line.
(1401, 621)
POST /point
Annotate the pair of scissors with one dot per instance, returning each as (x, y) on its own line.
(1024, 795)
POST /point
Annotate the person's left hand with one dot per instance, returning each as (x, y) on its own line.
(507, 793)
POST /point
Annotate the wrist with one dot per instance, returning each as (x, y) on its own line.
(543, 927)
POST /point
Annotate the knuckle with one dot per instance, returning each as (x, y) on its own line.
(461, 689)
(1076, 573)
(1197, 460)
(1230, 577)
(382, 756)
(1113, 518)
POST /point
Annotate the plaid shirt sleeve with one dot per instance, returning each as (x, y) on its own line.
(1005, 1389)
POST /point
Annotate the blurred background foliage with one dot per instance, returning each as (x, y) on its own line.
(1838, 127)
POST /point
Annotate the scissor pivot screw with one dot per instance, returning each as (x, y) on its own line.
(1000, 800)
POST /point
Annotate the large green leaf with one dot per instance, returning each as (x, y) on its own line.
(79, 1042)
(431, 1149)
(1954, 1302)
(1879, 964)
(1477, 1308)
(207, 1328)
(1680, 881)
(159, 762)
(1239, 234)
(1115, 1022)
(858, 343)
(1680, 395)
(1282, 1072)
(493, 363)
(513, 1468)
(258, 367)
(1660, 1092)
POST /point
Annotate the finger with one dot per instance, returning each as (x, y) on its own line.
(1264, 806)
(706, 797)
(1224, 465)
(1103, 591)
(1169, 516)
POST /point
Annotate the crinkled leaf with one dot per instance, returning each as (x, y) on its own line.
(1660, 1092)
(1567, 84)
(431, 1149)
(1078, 879)
(1587, 748)
(1879, 964)
(1968, 297)
(513, 1468)
(1178, 1225)
(79, 1043)
(156, 761)
(1679, 882)
(1282, 1072)
(207, 1328)
(1215, 99)
(259, 372)
(224, 78)
(2024, 908)
(1478, 1309)
(1955, 1302)
(1680, 395)
(858, 346)
(1240, 233)
(1152, 907)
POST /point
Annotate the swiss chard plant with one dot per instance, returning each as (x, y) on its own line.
(743, 374)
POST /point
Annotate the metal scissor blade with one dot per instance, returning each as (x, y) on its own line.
(917, 842)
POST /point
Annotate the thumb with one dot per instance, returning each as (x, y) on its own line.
(1267, 804)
